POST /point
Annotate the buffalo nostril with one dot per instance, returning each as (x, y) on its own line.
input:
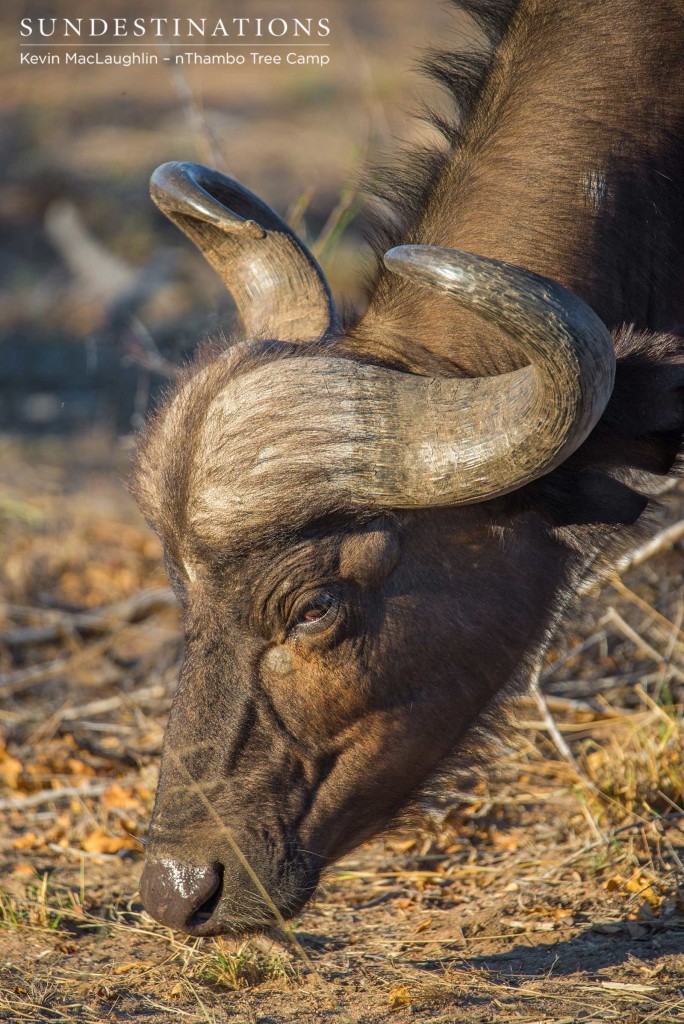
(179, 895)
(205, 911)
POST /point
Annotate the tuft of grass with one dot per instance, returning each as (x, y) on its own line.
(42, 906)
(637, 766)
(243, 968)
(11, 915)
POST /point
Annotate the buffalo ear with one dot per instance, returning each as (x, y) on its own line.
(369, 556)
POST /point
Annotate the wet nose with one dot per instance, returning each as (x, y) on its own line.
(179, 895)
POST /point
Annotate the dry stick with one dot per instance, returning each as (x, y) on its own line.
(573, 652)
(639, 642)
(83, 855)
(654, 707)
(587, 728)
(98, 707)
(639, 820)
(665, 1010)
(679, 811)
(108, 727)
(19, 681)
(143, 350)
(136, 699)
(664, 539)
(563, 748)
(627, 592)
(27, 635)
(596, 688)
(133, 609)
(662, 624)
(554, 703)
(46, 796)
(554, 732)
(45, 729)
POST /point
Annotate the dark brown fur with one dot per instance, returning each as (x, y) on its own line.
(296, 742)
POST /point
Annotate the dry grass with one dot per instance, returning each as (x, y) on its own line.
(550, 890)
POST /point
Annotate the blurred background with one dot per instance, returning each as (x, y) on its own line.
(98, 294)
(101, 298)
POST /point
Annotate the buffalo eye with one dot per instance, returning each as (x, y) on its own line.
(317, 612)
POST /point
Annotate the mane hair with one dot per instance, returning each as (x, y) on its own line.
(400, 189)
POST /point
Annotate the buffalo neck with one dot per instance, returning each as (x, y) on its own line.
(569, 166)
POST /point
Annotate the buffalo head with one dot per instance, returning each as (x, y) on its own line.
(351, 606)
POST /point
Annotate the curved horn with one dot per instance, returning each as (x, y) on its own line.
(450, 441)
(278, 287)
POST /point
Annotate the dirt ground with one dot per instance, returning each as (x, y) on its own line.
(548, 889)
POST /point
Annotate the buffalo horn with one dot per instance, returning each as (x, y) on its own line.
(278, 288)
(450, 441)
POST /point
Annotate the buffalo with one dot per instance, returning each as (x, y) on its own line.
(374, 524)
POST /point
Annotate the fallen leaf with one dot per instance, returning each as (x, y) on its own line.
(557, 913)
(10, 772)
(399, 997)
(23, 871)
(119, 797)
(29, 841)
(101, 842)
(76, 767)
(10, 768)
(402, 845)
(640, 885)
(607, 927)
(516, 926)
(136, 965)
(110, 742)
(614, 884)
(504, 841)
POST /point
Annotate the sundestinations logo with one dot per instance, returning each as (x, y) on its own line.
(173, 28)
(152, 40)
